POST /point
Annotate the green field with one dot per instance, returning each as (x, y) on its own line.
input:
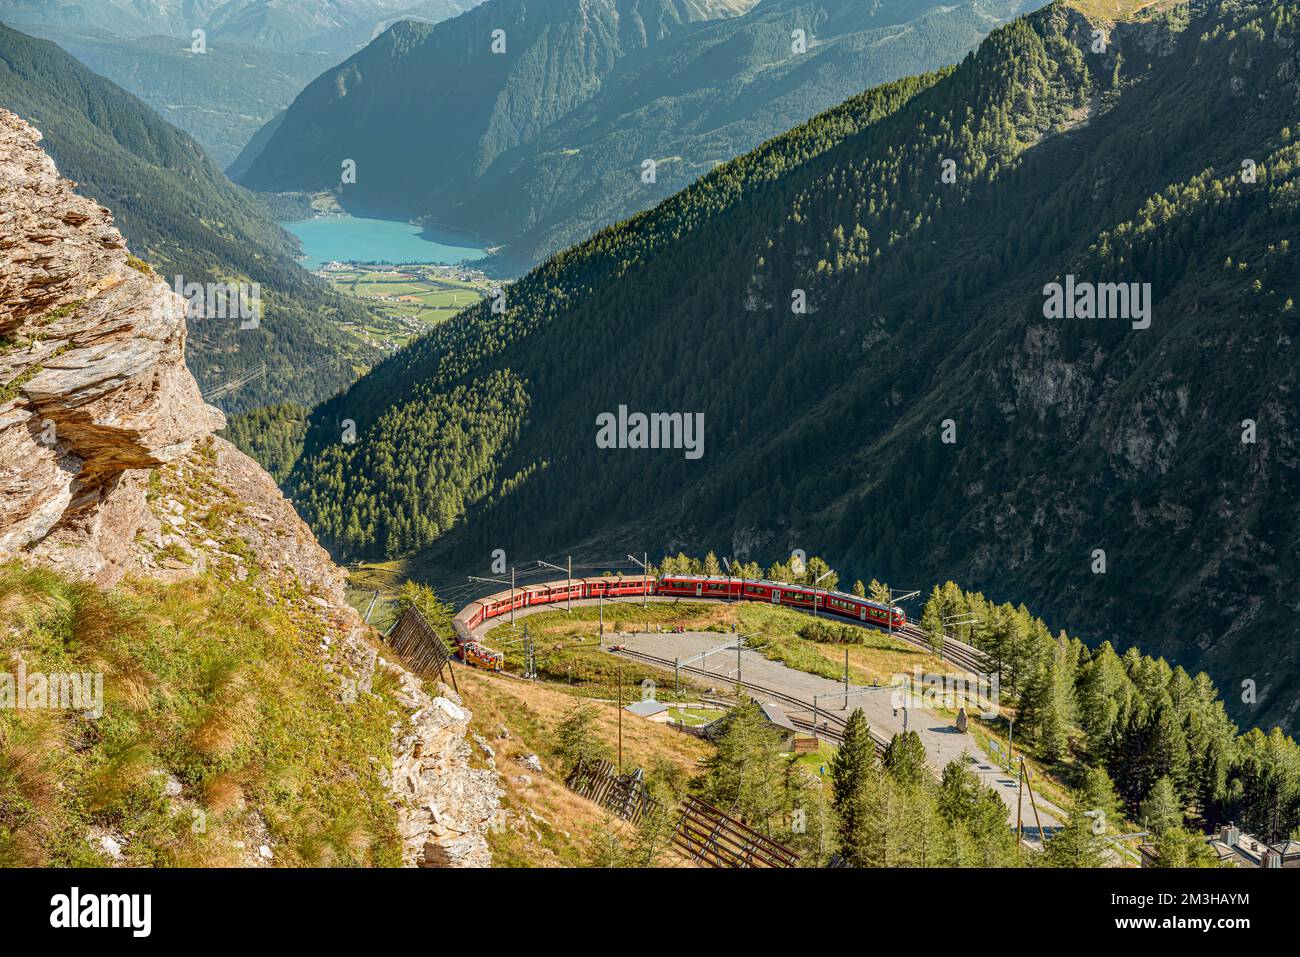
(411, 299)
(694, 717)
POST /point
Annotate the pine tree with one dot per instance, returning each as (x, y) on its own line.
(904, 759)
(853, 766)
(575, 737)
(1078, 843)
(1178, 847)
(1161, 810)
(1097, 792)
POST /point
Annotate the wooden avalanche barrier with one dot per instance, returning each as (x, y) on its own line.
(709, 836)
(621, 794)
(420, 647)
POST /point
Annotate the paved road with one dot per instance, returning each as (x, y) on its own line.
(943, 742)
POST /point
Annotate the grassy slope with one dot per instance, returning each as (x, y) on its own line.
(546, 824)
(216, 680)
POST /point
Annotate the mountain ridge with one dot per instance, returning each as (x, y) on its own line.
(537, 180)
(219, 71)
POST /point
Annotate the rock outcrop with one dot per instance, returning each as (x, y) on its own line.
(93, 384)
(109, 467)
(445, 803)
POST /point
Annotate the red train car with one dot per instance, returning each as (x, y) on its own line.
(548, 593)
(781, 593)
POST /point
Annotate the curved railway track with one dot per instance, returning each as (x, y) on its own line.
(959, 653)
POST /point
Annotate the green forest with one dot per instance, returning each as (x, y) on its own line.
(919, 418)
(1154, 740)
(1126, 733)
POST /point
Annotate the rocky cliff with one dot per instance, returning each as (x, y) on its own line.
(109, 468)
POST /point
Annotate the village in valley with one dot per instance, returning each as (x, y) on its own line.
(411, 297)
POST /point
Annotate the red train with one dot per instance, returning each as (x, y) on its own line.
(779, 593)
(501, 603)
(676, 586)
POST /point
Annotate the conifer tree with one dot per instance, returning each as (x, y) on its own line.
(904, 759)
(1078, 843)
(851, 770)
(1161, 811)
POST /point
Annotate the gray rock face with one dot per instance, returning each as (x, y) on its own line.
(93, 384)
(444, 806)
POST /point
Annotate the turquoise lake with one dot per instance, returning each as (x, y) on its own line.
(355, 239)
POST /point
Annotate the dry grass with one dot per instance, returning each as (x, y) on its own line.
(208, 685)
(29, 779)
(546, 824)
(1112, 11)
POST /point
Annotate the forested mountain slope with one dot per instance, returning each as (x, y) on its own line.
(715, 93)
(540, 146)
(926, 303)
(184, 217)
(424, 108)
(255, 56)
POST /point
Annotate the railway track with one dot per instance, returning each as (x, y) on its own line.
(959, 653)
(831, 726)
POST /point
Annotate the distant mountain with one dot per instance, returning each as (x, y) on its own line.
(931, 413)
(541, 146)
(270, 21)
(427, 108)
(184, 217)
(258, 54)
(253, 147)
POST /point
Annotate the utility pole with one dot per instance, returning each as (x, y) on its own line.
(815, 581)
(846, 678)
(1020, 801)
(889, 612)
(620, 719)
(600, 639)
(530, 656)
(1024, 769)
(568, 583)
(677, 675)
(645, 585)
